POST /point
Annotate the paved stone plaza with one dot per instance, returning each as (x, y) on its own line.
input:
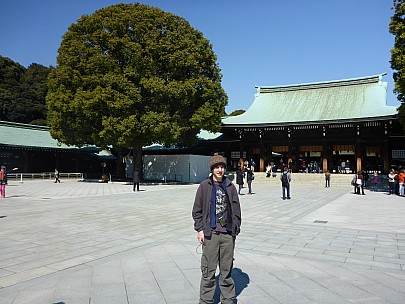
(78, 242)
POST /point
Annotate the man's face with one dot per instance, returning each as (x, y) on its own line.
(218, 173)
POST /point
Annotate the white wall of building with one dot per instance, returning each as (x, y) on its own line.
(180, 168)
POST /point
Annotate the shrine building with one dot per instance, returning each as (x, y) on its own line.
(325, 123)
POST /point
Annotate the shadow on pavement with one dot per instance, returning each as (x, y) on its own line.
(241, 280)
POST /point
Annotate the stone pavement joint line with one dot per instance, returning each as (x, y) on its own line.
(78, 242)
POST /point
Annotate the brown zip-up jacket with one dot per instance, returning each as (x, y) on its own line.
(201, 207)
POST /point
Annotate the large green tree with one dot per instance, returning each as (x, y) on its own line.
(22, 92)
(34, 87)
(131, 75)
(10, 76)
(397, 28)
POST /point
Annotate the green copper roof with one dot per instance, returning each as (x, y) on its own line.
(24, 135)
(357, 98)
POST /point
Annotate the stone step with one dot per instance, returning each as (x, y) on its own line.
(303, 178)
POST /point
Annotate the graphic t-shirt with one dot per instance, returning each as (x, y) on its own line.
(221, 206)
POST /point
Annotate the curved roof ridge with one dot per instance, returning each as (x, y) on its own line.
(322, 84)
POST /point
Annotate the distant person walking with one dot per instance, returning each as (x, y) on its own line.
(250, 176)
(327, 179)
(268, 171)
(274, 171)
(343, 165)
(391, 181)
(3, 181)
(252, 165)
(360, 183)
(401, 176)
(56, 174)
(375, 182)
(285, 179)
(239, 179)
(136, 178)
(366, 177)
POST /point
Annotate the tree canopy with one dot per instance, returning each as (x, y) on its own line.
(131, 75)
(22, 92)
(397, 28)
(237, 112)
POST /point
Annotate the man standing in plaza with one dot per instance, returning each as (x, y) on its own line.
(285, 183)
(250, 176)
(217, 219)
(391, 181)
(136, 178)
(401, 182)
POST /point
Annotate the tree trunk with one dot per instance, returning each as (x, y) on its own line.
(137, 160)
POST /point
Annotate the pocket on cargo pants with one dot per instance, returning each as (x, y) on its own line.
(204, 265)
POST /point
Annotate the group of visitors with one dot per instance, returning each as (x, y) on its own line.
(245, 173)
(358, 182)
(310, 167)
(396, 182)
(271, 170)
(344, 166)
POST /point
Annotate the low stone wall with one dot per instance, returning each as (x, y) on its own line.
(303, 178)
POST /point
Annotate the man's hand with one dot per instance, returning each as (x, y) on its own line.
(201, 236)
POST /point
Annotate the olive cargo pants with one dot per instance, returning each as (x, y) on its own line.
(217, 249)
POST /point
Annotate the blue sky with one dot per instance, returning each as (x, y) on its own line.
(257, 42)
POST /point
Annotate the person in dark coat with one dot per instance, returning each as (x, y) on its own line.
(136, 178)
(327, 179)
(274, 171)
(239, 179)
(56, 174)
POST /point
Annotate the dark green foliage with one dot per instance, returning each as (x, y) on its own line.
(10, 76)
(237, 112)
(133, 75)
(22, 92)
(397, 28)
